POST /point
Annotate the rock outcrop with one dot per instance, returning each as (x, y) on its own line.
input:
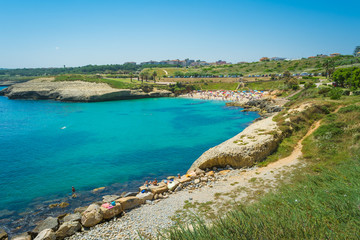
(75, 91)
(252, 145)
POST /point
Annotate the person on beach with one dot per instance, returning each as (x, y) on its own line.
(155, 182)
(179, 175)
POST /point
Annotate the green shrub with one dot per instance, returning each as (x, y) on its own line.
(351, 108)
(324, 90)
(335, 93)
(309, 85)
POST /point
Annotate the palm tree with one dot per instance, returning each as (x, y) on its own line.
(154, 76)
(131, 76)
(142, 76)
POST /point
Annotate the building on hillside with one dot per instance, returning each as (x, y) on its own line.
(221, 62)
(150, 62)
(277, 59)
(264, 59)
(322, 55)
(335, 54)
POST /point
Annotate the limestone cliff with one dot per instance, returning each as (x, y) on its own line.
(74, 91)
(252, 145)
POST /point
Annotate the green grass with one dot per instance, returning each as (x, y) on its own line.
(121, 83)
(321, 202)
(15, 78)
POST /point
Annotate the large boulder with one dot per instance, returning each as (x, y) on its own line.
(67, 229)
(145, 196)
(72, 217)
(91, 216)
(23, 236)
(3, 234)
(157, 189)
(48, 223)
(46, 234)
(129, 202)
(109, 213)
(247, 148)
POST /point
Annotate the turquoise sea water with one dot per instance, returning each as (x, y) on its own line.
(48, 146)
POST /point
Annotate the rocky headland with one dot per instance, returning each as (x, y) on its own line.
(75, 91)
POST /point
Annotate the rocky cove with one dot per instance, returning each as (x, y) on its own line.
(243, 150)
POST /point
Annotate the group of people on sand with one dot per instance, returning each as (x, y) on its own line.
(155, 182)
(227, 95)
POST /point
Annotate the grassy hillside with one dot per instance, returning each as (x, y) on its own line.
(313, 65)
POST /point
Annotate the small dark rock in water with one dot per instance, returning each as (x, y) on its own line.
(5, 212)
(3, 234)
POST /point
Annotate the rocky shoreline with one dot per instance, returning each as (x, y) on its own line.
(75, 91)
(244, 150)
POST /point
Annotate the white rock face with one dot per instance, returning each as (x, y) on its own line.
(252, 145)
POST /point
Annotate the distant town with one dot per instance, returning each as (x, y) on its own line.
(190, 63)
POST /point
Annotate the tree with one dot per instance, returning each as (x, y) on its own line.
(142, 76)
(131, 76)
(356, 50)
(329, 66)
(154, 74)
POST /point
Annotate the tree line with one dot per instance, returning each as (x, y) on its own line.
(89, 69)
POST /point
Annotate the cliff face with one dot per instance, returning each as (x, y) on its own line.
(74, 91)
(252, 145)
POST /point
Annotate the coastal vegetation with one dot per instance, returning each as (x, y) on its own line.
(321, 199)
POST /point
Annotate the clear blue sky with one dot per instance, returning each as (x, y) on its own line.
(54, 33)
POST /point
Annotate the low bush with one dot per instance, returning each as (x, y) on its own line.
(335, 93)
